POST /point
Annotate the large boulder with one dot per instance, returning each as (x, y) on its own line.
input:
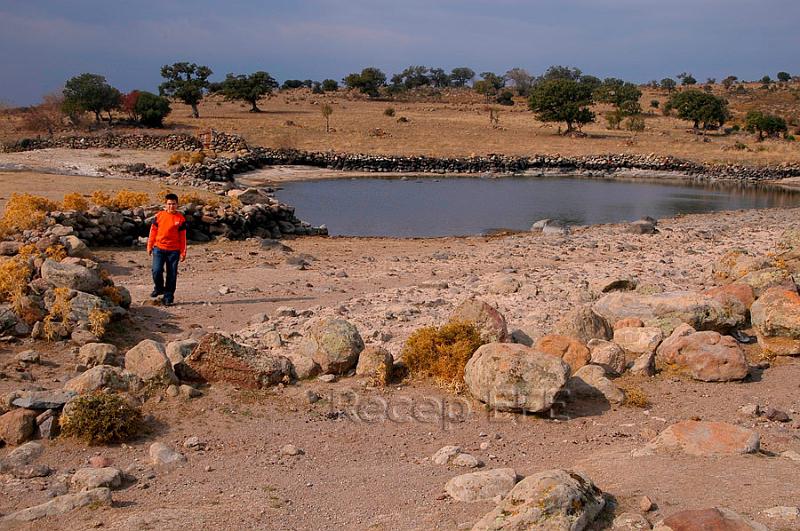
(92, 354)
(732, 294)
(703, 438)
(715, 519)
(590, 382)
(608, 355)
(572, 351)
(375, 362)
(59, 505)
(481, 486)
(102, 376)
(218, 358)
(512, 377)
(72, 276)
(39, 400)
(584, 325)
(17, 426)
(737, 263)
(707, 356)
(489, 321)
(148, 360)
(770, 277)
(554, 499)
(334, 344)
(668, 310)
(636, 341)
(776, 319)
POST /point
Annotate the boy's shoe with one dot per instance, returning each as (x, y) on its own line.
(155, 293)
(168, 302)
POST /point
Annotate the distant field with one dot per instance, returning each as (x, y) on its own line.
(458, 125)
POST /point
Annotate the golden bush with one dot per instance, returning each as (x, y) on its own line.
(442, 353)
(197, 157)
(122, 200)
(98, 321)
(59, 313)
(25, 211)
(100, 418)
(75, 201)
(635, 396)
(15, 273)
(111, 293)
(101, 198)
(56, 252)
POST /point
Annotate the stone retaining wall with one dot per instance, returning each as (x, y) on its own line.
(214, 140)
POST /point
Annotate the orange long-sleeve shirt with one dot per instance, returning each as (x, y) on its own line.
(168, 232)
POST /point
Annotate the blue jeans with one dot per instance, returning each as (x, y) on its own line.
(168, 259)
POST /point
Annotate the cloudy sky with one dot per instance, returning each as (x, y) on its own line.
(43, 43)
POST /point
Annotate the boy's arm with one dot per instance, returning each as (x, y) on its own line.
(151, 239)
(182, 239)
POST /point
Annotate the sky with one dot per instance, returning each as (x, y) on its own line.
(44, 43)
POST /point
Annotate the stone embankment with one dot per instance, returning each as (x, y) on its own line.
(221, 169)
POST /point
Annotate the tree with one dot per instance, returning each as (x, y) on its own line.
(411, 78)
(128, 104)
(248, 88)
(368, 81)
(47, 116)
(766, 80)
(186, 82)
(763, 123)
(151, 109)
(687, 79)
(460, 76)
(699, 107)
(729, 81)
(326, 111)
(623, 95)
(90, 93)
(330, 85)
(562, 72)
(439, 78)
(489, 84)
(669, 84)
(784, 77)
(521, 79)
(291, 84)
(562, 100)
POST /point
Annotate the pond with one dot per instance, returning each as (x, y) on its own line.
(427, 207)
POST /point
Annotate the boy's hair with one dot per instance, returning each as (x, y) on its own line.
(171, 197)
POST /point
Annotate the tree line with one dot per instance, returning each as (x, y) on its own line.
(560, 94)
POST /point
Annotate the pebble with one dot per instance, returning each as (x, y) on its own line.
(291, 450)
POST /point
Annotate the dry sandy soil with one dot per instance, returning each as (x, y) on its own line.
(365, 471)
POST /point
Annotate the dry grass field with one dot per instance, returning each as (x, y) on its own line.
(457, 124)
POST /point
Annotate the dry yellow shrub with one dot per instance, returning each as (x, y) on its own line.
(15, 273)
(98, 320)
(442, 353)
(635, 396)
(59, 313)
(28, 250)
(56, 252)
(197, 157)
(25, 211)
(75, 201)
(111, 293)
(187, 157)
(122, 200)
(101, 198)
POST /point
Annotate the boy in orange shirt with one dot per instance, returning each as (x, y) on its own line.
(167, 246)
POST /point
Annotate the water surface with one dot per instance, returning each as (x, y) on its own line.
(425, 207)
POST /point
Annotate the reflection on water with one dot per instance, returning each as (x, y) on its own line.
(466, 205)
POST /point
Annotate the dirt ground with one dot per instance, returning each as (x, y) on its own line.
(366, 450)
(457, 124)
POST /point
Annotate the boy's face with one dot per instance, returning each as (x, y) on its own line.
(171, 205)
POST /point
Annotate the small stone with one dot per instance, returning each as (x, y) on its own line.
(100, 461)
(484, 446)
(750, 410)
(791, 455)
(312, 397)
(172, 391)
(291, 450)
(790, 514)
(481, 486)
(444, 454)
(646, 504)
(28, 356)
(327, 378)
(92, 478)
(161, 454)
(194, 443)
(467, 461)
(187, 391)
(776, 415)
(224, 290)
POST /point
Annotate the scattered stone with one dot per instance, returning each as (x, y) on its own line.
(285, 311)
(22, 456)
(92, 478)
(466, 460)
(630, 522)
(100, 461)
(17, 426)
(219, 358)
(194, 443)
(607, 285)
(28, 356)
(44, 399)
(161, 454)
(60, 505)
(291, 450)
(445, 454)
(72, 276)
(489, 321)
(716, 519)
(334, 344)
(776, 415)
(258, 318)
(707, 356)
(187, 391)
(572, 351)
(148, 360)
(512, 377)
(639, 340)
(776, 319)
(80, 336)
(703, 438)
(646, 504)
(504, 286)
(608, 355)
(481, 486)
(584, 325)
(327, 378)
(101, 376)
(642, 226)
(172, 391)
(375, 362)
(590, 381)
(750, 410)
(554, 499)
(93, 354)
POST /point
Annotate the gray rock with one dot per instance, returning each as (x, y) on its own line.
(445, 454)
(60, 505)
(177, 351)
(590, 381)
(291, 450)
(467, 461)
(72, 276)
(93, 354)
(101, 376)
(490, 323)
(303, 367)
(54, 399)
(608, 355)
(584, 325)
(161, 454)
(512, 377)
(187, 391)
(21, 456)
(28, 356)
(334, 344)
(92, 478)
(75, 246)
(630, 522)
(148, 360)
(9, 248)
(638, 340)
(555, 499)
(481, 486)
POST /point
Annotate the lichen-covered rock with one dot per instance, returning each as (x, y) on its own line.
(375, 362)
(101, 376)
(334, 344)
(17, 426)
(608, 355)
(148, 360)
(590, 382)
(92, 354)
(737, 263)
(732, 294)
(72, 276)
(707, 356)
(490, 322)
(770, 277)
(513, 377)
(776, 319)
(703, 438)
(554, 499)
(481, 486)
(218, 358)
(584, 325)
(572, 351)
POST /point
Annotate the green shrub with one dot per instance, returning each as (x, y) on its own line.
(654, 104)
(506, 97)
(442, 353)
(101, 418)
(151, 109)
(635, 123)
(388, 111)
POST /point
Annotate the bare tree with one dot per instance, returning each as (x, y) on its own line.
(326, 111)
